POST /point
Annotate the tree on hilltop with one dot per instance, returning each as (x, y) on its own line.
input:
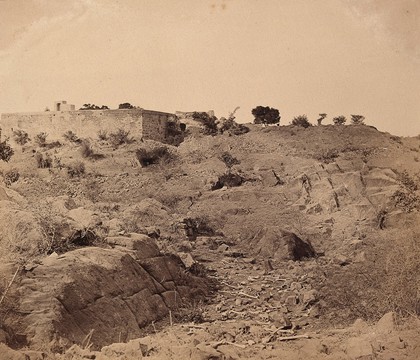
(126, 106)
(265, 115)
(339, 120)
(93, 107)
(322, 116)
(357, 119)
(301, 120)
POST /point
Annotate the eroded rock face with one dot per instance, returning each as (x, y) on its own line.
(109, 293)
(281, 244)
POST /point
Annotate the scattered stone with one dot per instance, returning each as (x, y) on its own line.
(223, 248)
(186, 259)
(386, 324)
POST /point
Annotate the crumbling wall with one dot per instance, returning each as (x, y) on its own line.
(86, 123)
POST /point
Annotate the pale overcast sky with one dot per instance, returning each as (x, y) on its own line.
(300, 56)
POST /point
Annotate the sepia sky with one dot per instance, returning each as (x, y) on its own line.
(300, 56)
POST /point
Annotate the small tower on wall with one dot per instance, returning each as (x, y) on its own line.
(63, 106)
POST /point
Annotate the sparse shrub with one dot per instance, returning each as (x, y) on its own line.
(41, 139)
(102, 135)
(21, 137)
(395, 138)
(327, 156)
(357, 119)
(120, 137)
(157, 155)
(230, 126)
(11, 176)
(407, 201)
(265, 115)
(301, 120)
(6, 152)
(339, 120)
(76, 169)
(43, 162)
(229, 160)
(71, 136)
(209, 122)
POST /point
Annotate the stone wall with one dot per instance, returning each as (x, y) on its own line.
(86, 123)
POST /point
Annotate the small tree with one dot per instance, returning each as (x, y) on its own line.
(357, 119)
(126, 106)
(322, 116)
(6, 152)
(265, 115)
(301, 120)
(339, 120)
(21, 137)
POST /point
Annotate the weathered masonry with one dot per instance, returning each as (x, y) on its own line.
(141, 123)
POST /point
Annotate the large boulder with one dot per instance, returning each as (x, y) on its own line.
(106, 293)
(281, 244)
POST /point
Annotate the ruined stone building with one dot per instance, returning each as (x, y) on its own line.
(141, 123)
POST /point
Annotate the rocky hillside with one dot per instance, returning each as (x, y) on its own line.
(244, 246)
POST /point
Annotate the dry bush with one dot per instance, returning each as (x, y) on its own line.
(158, 155)
(389, 280)
(120, 137)
(76, 169)
(71, 136)
(229, 160)
(43, 162)
(41, 139)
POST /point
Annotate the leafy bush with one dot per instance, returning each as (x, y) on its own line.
(76, 169)
(6, 152)
(71, 136)
(120, 137)
(265, 115)
(21, 137)
(339, 120)
(43, 163)
(41, 139)
(158, 155)
(208, 122)
(11, 176)
(301, 120)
